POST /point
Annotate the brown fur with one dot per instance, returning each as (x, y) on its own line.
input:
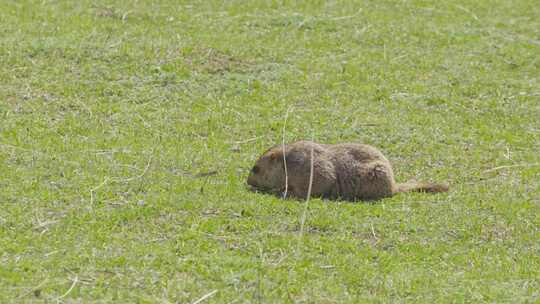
(343, 171)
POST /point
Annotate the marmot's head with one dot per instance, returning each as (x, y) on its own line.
(268, 174)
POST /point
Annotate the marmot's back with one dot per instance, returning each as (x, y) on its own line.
(357, 152)
(362, 172)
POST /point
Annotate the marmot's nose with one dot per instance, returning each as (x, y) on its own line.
(250, 180)
(251, 184)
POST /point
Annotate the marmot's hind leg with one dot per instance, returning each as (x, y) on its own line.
(377, 181)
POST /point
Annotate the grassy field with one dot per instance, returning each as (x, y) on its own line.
(114, 115)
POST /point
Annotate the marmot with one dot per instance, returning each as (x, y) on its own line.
(345, 171)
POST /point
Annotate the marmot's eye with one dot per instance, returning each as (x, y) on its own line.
(256, 169)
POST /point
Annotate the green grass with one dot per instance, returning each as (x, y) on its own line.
(110, 112)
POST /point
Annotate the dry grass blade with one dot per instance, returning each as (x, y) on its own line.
(283, 147)
(308, 196)
(139, 176)
(33, 289)
(510, 166)
(206, 296)
(205, 174)
(464, 9)
(70, 288)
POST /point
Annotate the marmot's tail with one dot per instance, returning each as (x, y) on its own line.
(421, 187)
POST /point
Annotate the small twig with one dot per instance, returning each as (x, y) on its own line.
(346, 17)
(373, 232)
(280, 260)
(70, 288)
(124, 180)
(87, 108)
(93, 190)
(44, 224)
(205, 174)
(124, 16)
(327, 266)
(180, 172)
(511, 166)
(33, 289)
(51, 253)
(367, 125)
(140, 175)
(467, 11)
(206, 296)
(523, 94)
(246, 140)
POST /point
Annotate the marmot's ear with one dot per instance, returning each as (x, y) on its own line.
(276, 155)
